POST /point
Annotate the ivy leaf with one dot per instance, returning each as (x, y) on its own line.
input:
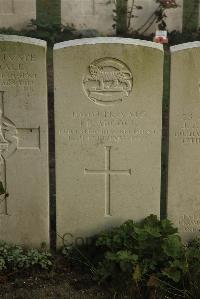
(122, 255)
(151, 220)
(153, 231)
(172, 246)
(180, 265)
(167, 227)
(127, 256)
(193, 253)
(111, 256)
(141, 234)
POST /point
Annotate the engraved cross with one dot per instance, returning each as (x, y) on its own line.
(107, 172)
(12, 139)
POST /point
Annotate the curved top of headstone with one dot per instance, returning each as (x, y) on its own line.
(22, 39)
(107, 40)
(185, 46)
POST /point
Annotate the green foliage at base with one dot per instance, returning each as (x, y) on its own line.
(13, 257)
(146, 255)
(141, 250)
(50, 33)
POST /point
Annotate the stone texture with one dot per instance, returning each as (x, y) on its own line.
(184, 141)
(98, 14)
(88, 14)
(108, 108)
(24, 212)
(173, 20)
(17, 13)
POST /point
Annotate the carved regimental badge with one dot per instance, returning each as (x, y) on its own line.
(108, 81)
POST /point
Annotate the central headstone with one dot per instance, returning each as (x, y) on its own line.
(108, 108)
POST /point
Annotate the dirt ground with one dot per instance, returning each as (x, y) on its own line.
(62, 281)
(51, 285)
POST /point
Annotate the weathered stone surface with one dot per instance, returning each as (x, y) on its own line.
(184, 141)
(108, 98)
(173, 20)
(98, 14)
(17, 13)
(88, 14)
(24, 212)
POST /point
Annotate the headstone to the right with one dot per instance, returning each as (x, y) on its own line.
(184, 140)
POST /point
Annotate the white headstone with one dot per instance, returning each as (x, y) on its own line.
(99, 15)
(24, 208)
(144, 17)
(184, 140)
(17, 13)
(88, 14)
(174, 18)
(108, 108)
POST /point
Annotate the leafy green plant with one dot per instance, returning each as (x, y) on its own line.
(193, 274)
(190, 287)
(13, 257)
(52, 33)
(142, 250)
(148, 257)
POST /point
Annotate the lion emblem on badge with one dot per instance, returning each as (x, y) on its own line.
(109, 81)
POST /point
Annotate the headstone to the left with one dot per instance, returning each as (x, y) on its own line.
(24, 183)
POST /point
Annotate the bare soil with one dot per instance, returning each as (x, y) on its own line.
(61, 283)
